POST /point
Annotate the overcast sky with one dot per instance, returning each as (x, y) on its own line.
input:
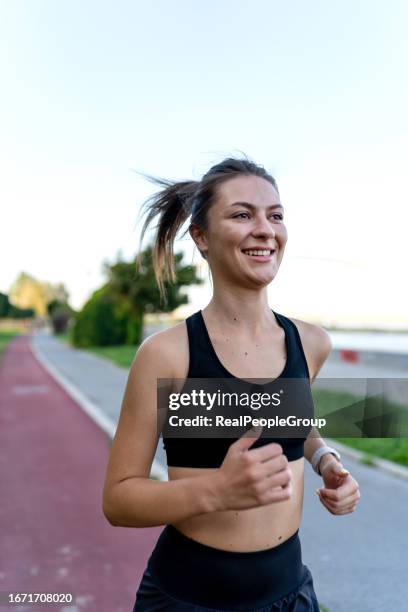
(316, 91)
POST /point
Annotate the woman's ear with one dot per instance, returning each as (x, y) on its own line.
(200, 239)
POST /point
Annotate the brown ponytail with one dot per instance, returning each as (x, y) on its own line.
(173, 207)
(177, 201)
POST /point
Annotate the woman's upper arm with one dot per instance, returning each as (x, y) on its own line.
(135, 442)
(320, 346)
(316, 343)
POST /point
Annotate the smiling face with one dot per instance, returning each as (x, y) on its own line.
(246, 236)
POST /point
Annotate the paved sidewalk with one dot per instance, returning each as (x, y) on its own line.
(53, 459)
(359, 562)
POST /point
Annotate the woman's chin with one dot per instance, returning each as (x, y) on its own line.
(265, 277)
(262, 280)
(250, 278)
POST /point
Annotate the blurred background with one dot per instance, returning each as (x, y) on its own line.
(94, 93)
(314, 92)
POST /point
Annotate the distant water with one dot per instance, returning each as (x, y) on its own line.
(370, 341)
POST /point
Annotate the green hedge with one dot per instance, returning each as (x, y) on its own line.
(101, 322)
(97, 324)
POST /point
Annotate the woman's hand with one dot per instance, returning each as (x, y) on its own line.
(254, 477)
(341, 493)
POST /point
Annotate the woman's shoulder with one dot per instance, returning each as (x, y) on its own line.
(312, 332)
(168, 347)
(316, 343)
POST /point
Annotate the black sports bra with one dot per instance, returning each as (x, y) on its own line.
(204, 452)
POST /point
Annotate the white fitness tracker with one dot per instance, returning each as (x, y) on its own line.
(318, 454)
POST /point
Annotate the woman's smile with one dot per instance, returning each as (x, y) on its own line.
(261, 255)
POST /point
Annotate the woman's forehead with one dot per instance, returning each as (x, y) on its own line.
(252, 189)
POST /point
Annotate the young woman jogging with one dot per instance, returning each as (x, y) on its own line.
(232, 508)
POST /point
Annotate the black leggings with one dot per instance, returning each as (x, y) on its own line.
(183, 575)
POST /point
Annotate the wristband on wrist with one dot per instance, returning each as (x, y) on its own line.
(318, 454)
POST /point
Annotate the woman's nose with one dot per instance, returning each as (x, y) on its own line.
(263, 227)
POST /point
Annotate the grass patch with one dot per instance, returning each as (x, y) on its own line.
(368, 460)
(121, 355)
(5, 337)
(323, 608)
(391, 448)
(63, 337)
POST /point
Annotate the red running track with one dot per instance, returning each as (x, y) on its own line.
(54, 537)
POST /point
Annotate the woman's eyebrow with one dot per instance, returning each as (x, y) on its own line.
(252, 206)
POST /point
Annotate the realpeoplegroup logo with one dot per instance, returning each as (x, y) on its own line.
(244, 421)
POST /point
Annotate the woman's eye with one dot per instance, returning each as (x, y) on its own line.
(244, 215)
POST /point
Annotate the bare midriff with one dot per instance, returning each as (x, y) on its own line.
(245, 530)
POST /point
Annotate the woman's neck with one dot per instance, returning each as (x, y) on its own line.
(242, 309)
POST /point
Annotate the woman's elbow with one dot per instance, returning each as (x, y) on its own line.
(109, 506)
(116, 517)
(108, 512)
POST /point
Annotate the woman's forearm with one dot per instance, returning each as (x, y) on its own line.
(312, 443)
(142, 502)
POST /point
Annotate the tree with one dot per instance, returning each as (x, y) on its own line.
(114, 314)
(136, 291)
(4, 305)
(28, 292)
(60, 314)
(12, 312)
(99, 323)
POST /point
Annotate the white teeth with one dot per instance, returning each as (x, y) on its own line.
(259, 252)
